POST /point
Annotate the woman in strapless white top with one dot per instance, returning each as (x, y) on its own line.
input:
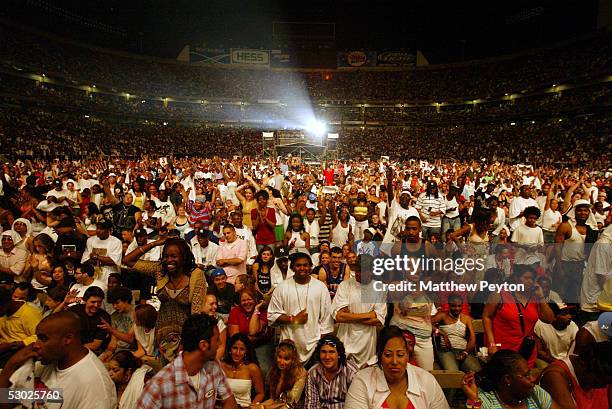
(242, 371)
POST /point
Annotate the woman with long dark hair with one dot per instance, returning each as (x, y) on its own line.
(242, 371)
(261, 272)
(129, 377)
(296, 237)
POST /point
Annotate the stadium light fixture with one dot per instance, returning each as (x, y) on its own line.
(512, 123)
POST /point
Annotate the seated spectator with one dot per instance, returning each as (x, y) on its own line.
(287, 378)
(121, 323)
(64, 364)
(145, 318)
(555, 339)
(458, 338)
(129, 377)
(505, 381)
(18, 321)
(59, 278)
(581, 381)
(12, 259)
(92, 317)
(242, 371)
(84, 276)
(387, 384)
(224, 291)
(26, 293)
(232, 254)
(329, 379)
(210, 309)
(103, 251)
(40, 262)
(240, 315)
(55, 297)
(261, 272)
(593, 332)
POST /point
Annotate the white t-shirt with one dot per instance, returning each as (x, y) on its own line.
(85, 385)
(397, 221)
(111, 247)
(144, 338)
(549, 218)
(451, 204)
(527, 235)
(598, 266)
(517, 206)
(557, 342)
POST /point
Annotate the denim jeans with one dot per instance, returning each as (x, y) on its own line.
(428, 231)
(449, 362)
(447, 223)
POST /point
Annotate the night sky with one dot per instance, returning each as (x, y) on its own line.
(444, 31)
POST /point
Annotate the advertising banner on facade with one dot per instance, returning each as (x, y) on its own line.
(243, 56)
(199, 55)
(396, 59)
(357, 59)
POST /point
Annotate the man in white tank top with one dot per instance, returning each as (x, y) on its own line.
(570, 252)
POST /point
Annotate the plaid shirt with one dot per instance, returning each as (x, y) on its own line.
(324, 394)
(172, 388)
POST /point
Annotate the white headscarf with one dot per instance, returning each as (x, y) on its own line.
(28, 227)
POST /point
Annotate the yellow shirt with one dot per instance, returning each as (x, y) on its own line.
(21, 326)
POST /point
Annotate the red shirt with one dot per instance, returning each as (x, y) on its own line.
(238, 316)
(329, 177)
(264, 234)
(507, 327)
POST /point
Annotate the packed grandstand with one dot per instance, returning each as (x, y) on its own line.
(148, 230)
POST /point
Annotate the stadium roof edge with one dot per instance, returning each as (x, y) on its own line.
(432, 67)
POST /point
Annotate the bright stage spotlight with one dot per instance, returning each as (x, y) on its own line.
(317, 128)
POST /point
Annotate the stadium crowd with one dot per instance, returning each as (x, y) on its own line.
(153, 257)
(256, 276)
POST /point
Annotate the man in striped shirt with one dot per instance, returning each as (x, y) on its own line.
(328, 381)
(431, 207)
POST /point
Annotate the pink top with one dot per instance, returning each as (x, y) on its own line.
(237, 249)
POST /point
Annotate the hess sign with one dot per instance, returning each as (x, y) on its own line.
(250, 57)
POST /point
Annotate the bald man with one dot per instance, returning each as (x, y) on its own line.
(58, 360)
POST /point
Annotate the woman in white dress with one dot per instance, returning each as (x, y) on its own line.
(242, 371)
